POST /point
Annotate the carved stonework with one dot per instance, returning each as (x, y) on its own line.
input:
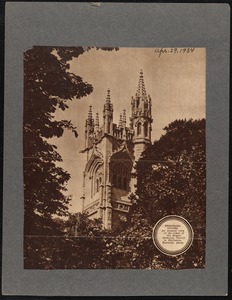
(121, 207)
(123, 148)
(92, 209)
(111, 151)
(97, 152)
(109, 215)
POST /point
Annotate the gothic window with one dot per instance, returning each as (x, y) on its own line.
(120, 176)
(119, 183)
(124, 183)
(97, 186)
(115, 180)
(96, 181)
(139, 128)
(145, 129)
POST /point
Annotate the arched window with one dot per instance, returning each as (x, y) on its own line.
(145, 129)
(96, 181)
(119, 182)
(97, 186)
(115, 180)
(120, 176)
(124, 183)
(139, 128)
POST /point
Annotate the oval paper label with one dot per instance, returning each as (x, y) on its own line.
(172, 235)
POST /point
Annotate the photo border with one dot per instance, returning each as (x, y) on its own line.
(118, 25)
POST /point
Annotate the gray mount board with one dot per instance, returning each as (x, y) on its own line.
(125, 25)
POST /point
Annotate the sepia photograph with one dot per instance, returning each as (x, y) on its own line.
(114, 158)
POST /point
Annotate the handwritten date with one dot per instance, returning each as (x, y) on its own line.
(161, 51)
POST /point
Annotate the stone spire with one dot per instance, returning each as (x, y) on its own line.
(89, 127)
(108, 96)
(97, 122)
(141, 103)
(108, 114)
(141, 91)
(90, 116)
(124, 118)
(108, 105)
(90, 121)
(120, 121)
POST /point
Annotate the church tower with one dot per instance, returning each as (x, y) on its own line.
(111, 151)
(141, 118)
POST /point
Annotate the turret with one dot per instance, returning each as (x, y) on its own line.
(141, 118)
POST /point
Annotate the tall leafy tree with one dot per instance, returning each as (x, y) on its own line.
(48, 86)
(171, 178)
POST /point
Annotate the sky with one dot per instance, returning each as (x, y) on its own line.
(175, 81)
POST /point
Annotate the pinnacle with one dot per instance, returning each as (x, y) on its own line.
(97, 121)
(120, 120)
(90, 112)
(141, 91)
(108, 105)
(124, 118)
(108, 96)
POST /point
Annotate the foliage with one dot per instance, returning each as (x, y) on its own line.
(80, 247)
(48, 86)
(171, 178)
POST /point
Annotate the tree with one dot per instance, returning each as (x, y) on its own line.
(171, 176)
(81, 246)
(48, 86)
